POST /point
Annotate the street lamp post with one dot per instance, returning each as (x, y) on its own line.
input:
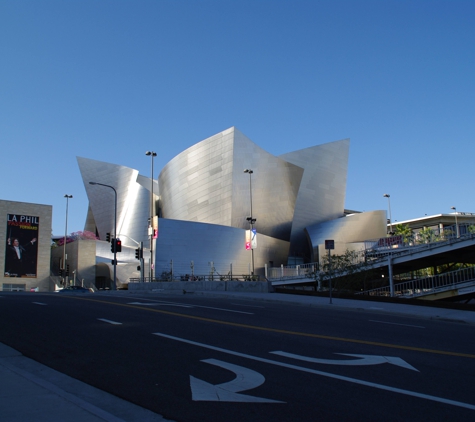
(150, 227)
(251, 219)
(386, 195)
(65, 235)
(114, 284)
(456, 222)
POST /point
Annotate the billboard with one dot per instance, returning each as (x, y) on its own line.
(21, 249)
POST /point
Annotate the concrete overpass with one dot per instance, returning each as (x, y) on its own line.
(397, 261)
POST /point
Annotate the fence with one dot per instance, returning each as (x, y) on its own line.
(292, 271)
(426, 285)
(200, 271)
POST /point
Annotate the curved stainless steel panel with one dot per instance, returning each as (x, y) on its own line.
(321, 195)
(350, 229)
(133, 200)
(206, 183)
(210, 245)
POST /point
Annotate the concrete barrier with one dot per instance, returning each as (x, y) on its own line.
(200, 286)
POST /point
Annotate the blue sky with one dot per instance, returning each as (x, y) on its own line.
(111, 79)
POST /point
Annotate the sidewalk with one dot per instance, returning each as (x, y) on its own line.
(427, 312)
(32, 392)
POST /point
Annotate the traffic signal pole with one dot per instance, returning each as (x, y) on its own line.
(142, 270)
(139, 256)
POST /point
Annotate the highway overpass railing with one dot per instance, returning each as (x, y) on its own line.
(427, 285)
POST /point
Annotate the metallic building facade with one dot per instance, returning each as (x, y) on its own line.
(203, 199)
(348, 232)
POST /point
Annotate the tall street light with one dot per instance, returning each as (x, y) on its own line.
(386, 195)
(68, 197)
(114, 284)
(250, 219)
(150, 226)
(456, 222)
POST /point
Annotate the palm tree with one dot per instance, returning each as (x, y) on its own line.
(426, 235)
(405, 231)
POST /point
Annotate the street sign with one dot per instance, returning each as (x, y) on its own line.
(329, 244)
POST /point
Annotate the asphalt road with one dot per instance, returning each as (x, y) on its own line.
(195, 358)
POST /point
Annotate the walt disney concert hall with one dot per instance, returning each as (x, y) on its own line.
(226, 206)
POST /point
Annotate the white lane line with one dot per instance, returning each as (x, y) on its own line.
(247, 306)
(186, 305)
(225, 310)
(395, 323)
(39, 303)
(109, 321)
(326, 374)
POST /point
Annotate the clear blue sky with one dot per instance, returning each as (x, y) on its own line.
(110, 79)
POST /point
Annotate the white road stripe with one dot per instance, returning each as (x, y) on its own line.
(395, 323)
(187, 305)
(225, 310)
(326, 374)
(247, 306)
(39, 303)
(109, 321)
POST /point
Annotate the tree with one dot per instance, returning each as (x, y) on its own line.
(348, 272)
(85, 235)
(426, 235)
(405, 231)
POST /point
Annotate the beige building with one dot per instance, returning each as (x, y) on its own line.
(25, 246)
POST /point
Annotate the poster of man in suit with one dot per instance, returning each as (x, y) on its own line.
(21, 250)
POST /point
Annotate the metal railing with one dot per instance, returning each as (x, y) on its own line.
(369, 256)
(426, 285)
(197, 277)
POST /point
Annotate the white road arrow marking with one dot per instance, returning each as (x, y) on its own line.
(362, 360)
(324, 374)
(246, 379)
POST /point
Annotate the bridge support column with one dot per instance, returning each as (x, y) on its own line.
(390, 271)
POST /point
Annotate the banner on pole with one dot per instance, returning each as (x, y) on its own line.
(251, 239)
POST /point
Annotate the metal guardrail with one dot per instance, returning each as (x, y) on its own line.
(193, 278)
(427, 285)
(370, 256)
(292, 271)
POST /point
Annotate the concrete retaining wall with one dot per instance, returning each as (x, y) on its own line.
(199, 286)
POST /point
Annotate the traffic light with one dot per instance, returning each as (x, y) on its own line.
(137, 253)
(113, 245)
(67, 270)
(61, 272)
(108, 237)
(118, 245)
